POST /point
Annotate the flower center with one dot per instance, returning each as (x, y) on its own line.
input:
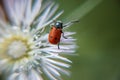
(17, 49)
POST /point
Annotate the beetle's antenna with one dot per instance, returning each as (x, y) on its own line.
(70, 23)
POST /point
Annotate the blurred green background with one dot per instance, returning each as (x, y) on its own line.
(98, 40)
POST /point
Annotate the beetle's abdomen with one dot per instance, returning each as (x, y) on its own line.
(54, 35)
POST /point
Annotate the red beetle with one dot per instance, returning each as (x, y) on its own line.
(56, 31)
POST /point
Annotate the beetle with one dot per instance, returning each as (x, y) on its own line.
(56, 31)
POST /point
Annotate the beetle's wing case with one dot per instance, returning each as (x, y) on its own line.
(55, 35)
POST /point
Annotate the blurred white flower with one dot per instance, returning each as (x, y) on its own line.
(25, 52)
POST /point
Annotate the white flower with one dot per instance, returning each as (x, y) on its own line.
(25, 52)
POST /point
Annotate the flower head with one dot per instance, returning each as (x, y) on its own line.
(25, 52)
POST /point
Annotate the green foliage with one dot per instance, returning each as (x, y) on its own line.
(98, 39)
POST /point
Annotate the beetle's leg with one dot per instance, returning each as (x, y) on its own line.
(64, 35)
(59, 45)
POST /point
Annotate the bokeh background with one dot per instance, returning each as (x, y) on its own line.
(98, 39)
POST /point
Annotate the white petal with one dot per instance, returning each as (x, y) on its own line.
(43, 17)
(33, 75)
(22, 76)
(36, 8)
(28, 10)
(13, 76)
(53, 71)
(58, 63)
(3, 64)
(49, 74)
(54, 18)
(9, 5)
(69, 33)
(68, 47)
(42, 38)
(16, 66)
(61, 70)
(66, 41)
(19, 9)
(52, 11)
(62, 58)
(32, 12)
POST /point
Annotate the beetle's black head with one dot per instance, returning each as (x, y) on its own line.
(59, 24)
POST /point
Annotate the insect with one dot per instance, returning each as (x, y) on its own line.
(56, 32)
